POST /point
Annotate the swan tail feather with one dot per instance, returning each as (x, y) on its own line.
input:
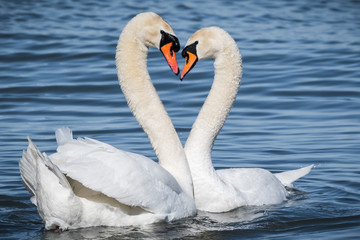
(288, 177)
(52, 194)
(63, 135)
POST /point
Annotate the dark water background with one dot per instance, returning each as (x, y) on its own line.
(299, 104)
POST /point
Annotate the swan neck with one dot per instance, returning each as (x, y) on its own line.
(212, 116)
(146, 106)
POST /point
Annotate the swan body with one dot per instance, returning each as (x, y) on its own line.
(90, 183)
(65, 203)
(225, 190)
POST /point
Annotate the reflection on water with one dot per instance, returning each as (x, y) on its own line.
(200, 226)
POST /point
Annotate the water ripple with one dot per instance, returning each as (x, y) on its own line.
(298, 105)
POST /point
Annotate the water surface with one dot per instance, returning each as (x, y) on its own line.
(298, 105)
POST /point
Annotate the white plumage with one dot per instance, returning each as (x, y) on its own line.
(90, 183)
(224, 190)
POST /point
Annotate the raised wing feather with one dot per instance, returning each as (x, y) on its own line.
(129, 178)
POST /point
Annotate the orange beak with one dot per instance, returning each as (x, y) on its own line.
(170, 57)
(190, 61)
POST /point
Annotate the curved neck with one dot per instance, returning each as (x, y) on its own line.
(215, 110)
(145, 104)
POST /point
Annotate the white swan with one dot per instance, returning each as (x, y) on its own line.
(224, 190)
(90, 183)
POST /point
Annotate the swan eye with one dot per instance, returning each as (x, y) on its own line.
(189, 48)
(169, 38)
(191, 58)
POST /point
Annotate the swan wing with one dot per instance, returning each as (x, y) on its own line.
(130, 178)
(258, 186)
(52, 193)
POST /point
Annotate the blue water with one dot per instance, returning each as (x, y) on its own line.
(299, 104)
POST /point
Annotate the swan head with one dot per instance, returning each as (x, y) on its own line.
(205, 43)
(155, 32)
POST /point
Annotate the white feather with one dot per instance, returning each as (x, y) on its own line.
(224, 190)
(90, 183)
